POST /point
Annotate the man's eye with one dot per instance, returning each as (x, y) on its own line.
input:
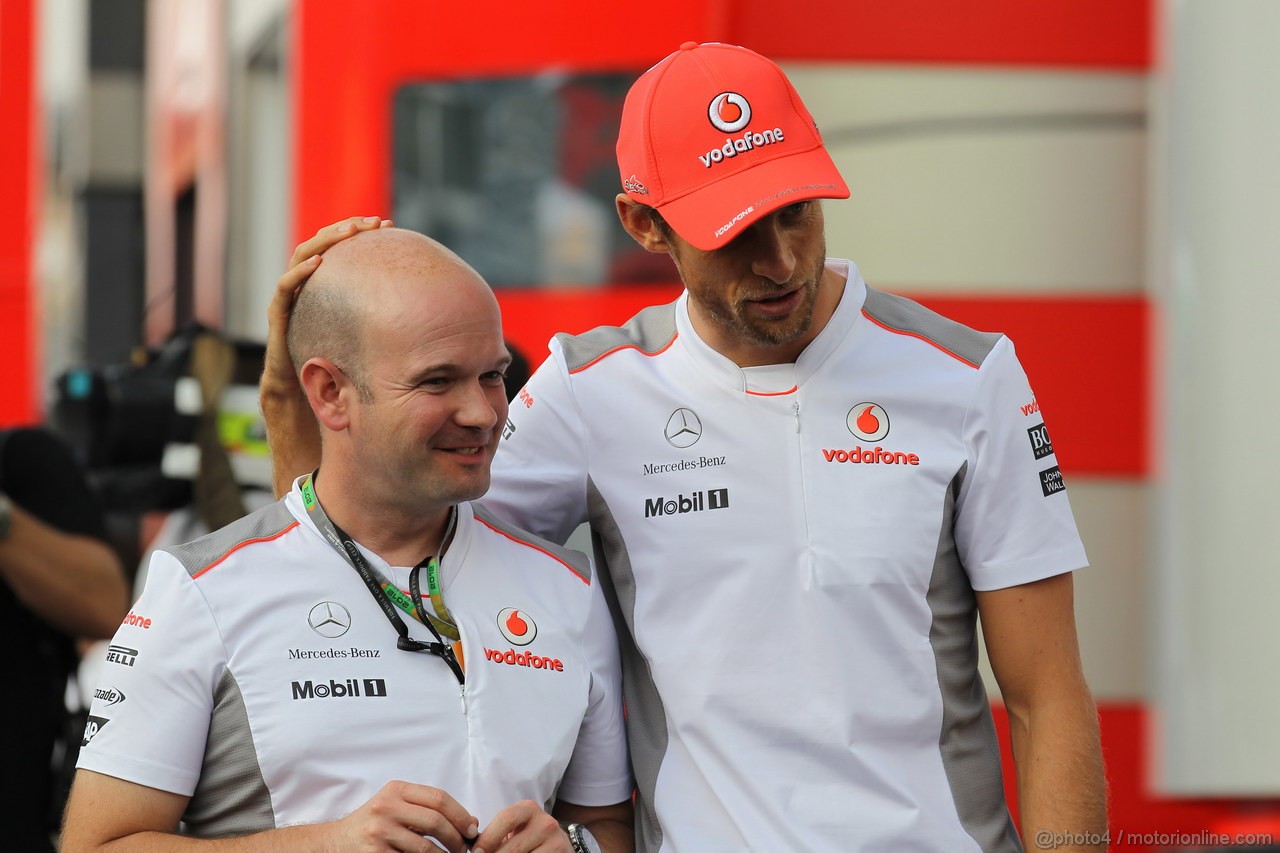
(496, 377)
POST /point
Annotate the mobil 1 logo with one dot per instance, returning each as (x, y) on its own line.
(1041, 446)
(699, 501)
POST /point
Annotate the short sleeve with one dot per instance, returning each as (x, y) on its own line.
(540, 471)
(151, 709)
(1014, 522)
(599, 771)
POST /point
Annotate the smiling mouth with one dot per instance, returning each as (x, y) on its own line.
(465, 451)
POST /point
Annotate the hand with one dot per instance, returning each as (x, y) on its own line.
(278, 376)
(523, 828)
(292, 433)
(405, 817)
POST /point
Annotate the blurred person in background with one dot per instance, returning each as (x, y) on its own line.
(803, 493)
(59, 581)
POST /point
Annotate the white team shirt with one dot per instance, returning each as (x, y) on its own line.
(793, 552)
(258, 676)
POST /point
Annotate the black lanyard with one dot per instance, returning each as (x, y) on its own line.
(347, 548)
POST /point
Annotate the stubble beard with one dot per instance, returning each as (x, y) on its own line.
(735, 319)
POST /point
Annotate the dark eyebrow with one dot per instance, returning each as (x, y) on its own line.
(451, 369)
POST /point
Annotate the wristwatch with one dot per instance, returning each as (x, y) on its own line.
(582, 839)
(6, 515)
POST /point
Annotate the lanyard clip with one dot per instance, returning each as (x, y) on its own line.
(408, 644)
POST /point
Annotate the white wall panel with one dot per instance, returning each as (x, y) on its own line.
(1216, 257)
(985, 180)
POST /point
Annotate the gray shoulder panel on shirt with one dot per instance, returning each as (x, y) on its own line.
(575, 560)
(902, 315)
(650, 331)
(265, 523)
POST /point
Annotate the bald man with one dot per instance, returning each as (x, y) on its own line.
(373, 662)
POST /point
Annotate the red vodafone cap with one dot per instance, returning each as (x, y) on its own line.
(715, 137)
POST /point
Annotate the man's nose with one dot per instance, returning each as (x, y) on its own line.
(773, 258)
(475, 409)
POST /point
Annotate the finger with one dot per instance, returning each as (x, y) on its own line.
(440, 802)
(411, 840)
(519, 828)
(331, 235)
(288, 285)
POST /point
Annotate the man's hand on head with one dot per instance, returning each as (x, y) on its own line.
(278, 376)
(292, 433)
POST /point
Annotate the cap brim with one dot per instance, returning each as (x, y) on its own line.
(712, 216)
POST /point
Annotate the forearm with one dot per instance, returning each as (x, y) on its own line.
(1061, 782)
(293, 435)
(73, 582)
(316, 838)
(612, 826)
(614, 836)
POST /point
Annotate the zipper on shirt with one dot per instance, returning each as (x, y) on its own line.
(795, 406)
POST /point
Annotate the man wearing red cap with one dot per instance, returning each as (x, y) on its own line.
(802, 492)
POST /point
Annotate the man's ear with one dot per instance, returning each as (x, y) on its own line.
(329, 392)
(640, 225)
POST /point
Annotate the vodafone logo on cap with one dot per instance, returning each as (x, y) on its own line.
(868, 421)
(729, 112)
(516, 626)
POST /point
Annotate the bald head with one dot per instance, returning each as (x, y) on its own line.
(367, 281)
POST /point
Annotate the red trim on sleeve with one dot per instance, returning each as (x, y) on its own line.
(241, 545)
(575, 572)
(928, 341)
(608, 353)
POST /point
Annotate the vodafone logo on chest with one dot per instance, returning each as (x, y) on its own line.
(519, 629)
(869, 422)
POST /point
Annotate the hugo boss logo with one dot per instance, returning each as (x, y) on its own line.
(1041, 446)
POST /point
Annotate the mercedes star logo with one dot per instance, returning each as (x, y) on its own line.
(329, 619)
(683, 428)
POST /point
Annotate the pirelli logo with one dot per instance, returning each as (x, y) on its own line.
(682, 504)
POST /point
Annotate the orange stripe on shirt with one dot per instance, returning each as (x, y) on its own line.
(928, 341)
(241, 545)
(587, 581)
(605, 355)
